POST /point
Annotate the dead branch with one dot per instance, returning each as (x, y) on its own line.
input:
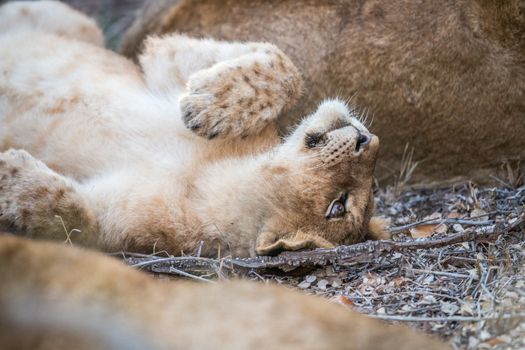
(448, 221)
(342, 255)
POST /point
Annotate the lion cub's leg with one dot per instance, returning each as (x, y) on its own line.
(53, 17)
(41, 203)
(233, 89)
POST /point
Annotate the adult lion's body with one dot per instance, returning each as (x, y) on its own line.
(445, 77)
(59, 297)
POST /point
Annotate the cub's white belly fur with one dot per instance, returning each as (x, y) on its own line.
(85, 119)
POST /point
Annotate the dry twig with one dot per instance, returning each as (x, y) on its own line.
(342, 255)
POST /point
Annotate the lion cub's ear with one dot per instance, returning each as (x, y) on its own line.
(269, 243)
(378, 228)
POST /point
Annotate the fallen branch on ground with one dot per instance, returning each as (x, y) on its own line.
(286, 261)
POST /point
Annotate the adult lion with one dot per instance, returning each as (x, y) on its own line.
(445, 77)
(58, 297)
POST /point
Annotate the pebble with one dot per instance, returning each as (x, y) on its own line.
(322, 284)
(303, 285)
(458, 228)
(336, 282)
(310, 278)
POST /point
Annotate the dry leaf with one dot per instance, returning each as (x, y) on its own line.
(479, 214)
(398, 281)
(343, 300)
(448, 308)
(425, 231)
(495, 341)
(434, 216)
(467, 309)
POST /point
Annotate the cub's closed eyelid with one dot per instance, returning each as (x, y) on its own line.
(312, 139)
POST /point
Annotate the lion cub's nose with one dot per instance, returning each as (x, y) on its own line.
(362, 139)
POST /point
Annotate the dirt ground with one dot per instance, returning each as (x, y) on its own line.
(472, 294)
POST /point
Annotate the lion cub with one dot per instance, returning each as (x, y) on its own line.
(178, 151)
(52, 297)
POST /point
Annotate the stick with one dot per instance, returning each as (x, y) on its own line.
(447, 318)
(398, 229)
(361, 252)
(342, 255)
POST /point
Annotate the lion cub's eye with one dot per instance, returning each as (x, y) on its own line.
(312, 139)
(336, 209)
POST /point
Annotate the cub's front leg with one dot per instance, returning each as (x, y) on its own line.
(239, 97)
(36, 201)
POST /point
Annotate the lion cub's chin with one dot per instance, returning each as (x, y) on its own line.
(268, 243)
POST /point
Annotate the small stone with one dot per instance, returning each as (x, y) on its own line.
(304, 285)
(484, 335)
(458, 228)
(392, 211)
(472, 342)
(438, 326)
(428, 300)
(336, 282)
(429, 279)
(449, 309)
(310, 278)
(406, 308)
(322, 284)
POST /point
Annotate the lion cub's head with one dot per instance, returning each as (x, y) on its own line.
(323, 174)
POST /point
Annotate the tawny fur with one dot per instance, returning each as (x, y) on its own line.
(57, 297)
(178, 151)
(445, 77)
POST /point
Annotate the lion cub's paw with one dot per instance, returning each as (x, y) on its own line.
(24, 182)
(239, 97)
(378, 228)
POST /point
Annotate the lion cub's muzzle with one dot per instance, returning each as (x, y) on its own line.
(347, 143)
